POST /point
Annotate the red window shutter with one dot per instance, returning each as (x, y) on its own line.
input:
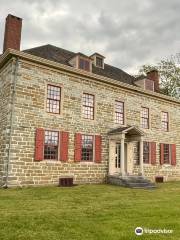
(153, 152)
(173, 154)
(98, 148)
(78, 147)
(39, 147)
(161, 153)
(64, 142)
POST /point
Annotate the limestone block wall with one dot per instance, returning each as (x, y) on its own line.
(30, 114)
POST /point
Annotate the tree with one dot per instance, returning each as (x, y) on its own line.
(169, 75)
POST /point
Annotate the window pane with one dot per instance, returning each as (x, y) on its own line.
(146, 152)
(88, 106)
(166, 153)
(51, 145)
(165, 121)
(165, 116)
(87, 148)
(87, 65)
(81, 63)
(84, 64)
(118, 156)
(144, 117)
(99, 62)
(53, 99)
(119, 112)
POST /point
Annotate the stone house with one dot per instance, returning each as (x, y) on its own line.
(65, 114)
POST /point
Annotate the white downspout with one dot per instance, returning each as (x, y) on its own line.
(12, 116)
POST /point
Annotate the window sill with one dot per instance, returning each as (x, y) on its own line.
(88, 120)
(87, 162)
(52, 160)
(145, 128)
(62, 162)
(60, 115)
(118, 124)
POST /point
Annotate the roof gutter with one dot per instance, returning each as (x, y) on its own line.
(29, 57)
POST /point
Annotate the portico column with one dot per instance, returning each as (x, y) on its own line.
(141, 156)
(122, 154)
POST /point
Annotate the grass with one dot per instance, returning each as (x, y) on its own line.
(89, 212)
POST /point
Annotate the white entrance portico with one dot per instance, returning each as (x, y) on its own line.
(121, 150)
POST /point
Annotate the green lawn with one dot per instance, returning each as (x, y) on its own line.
(102, 212)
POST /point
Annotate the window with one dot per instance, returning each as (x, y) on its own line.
(165, 121)
(51, 145)
(166, 153)
(119, 112)
(144, 117)
(87, 148)
(84, 64)
(118, 156)
(88, 106)
(146, 151)
(53, 99)
(99, 62)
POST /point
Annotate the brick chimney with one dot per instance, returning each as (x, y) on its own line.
(12, 34)
(154, 75)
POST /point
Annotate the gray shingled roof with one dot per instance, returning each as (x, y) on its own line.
(63, 56)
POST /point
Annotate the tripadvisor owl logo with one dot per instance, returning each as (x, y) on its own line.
(138, 231)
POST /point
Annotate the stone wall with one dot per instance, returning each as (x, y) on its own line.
(6, 82)
(30, 114)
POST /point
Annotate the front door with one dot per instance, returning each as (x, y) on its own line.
(118, 158)
(115, 158)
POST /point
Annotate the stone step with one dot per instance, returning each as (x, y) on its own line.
(140, 185)
(137, 180)
(131, 181)
(150, 186)
(143, 187)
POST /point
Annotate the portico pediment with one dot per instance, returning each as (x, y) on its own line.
(128, 131)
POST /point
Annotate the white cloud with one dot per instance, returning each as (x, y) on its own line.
(128, 33)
